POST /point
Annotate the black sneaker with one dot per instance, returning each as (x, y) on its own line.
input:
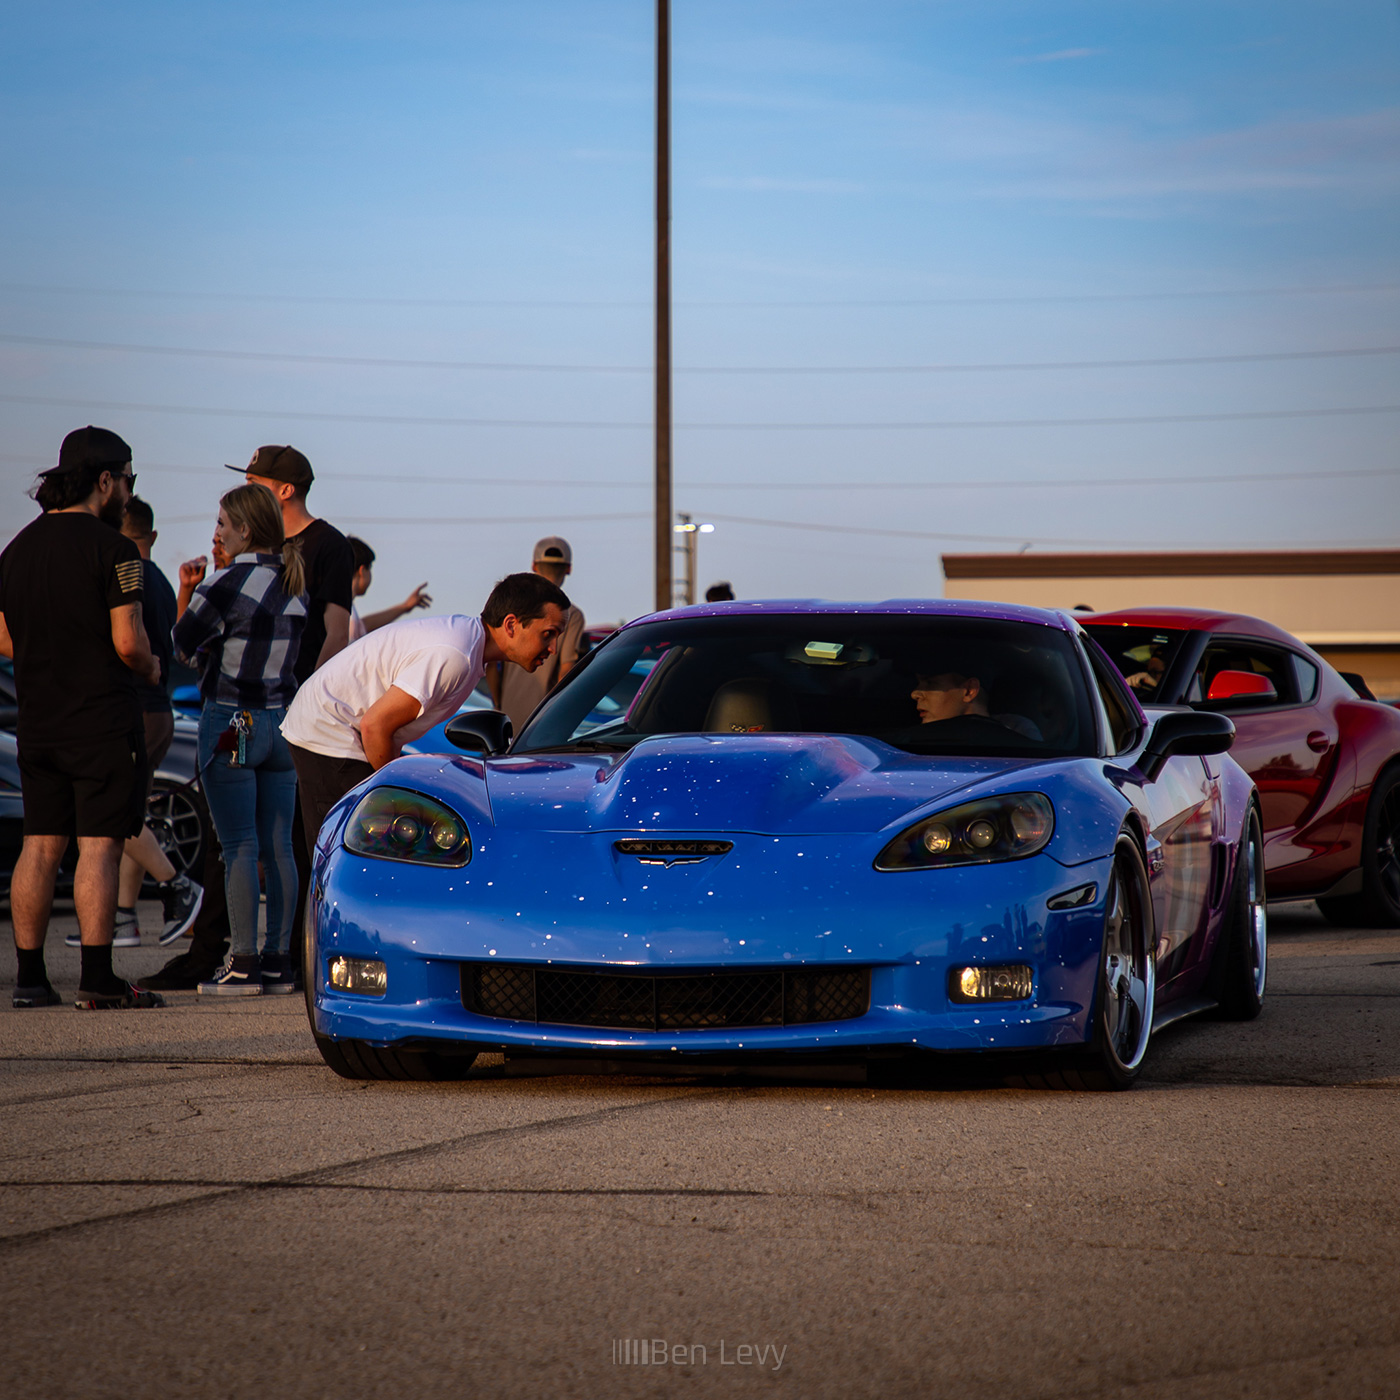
(45, 995)
(183, 973)
(121, 996)
(238, 977)
(181, 899)
(278, 979)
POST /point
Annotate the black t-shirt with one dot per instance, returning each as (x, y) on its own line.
(330, 571)
(60, 578)
(158, 615)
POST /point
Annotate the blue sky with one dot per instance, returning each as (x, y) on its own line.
(886, 214)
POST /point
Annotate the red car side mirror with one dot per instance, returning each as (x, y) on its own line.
(1231, 685)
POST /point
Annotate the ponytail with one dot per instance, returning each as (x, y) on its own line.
(293, 573)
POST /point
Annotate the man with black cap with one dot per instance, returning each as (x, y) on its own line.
(71, 588)
(325, 554)
(518, 691)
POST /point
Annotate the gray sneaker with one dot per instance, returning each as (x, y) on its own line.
(127, 933)
(181, 899)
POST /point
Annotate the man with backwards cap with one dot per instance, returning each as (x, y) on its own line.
(71, 588)
(518, 691)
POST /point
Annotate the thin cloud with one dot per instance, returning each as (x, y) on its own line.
(778, 185)
(1060, 56)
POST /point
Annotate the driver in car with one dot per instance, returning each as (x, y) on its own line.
(951, 694)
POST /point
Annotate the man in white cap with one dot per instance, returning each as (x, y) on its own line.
(518, 691)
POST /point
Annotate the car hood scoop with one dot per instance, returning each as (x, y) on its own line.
(778, 784)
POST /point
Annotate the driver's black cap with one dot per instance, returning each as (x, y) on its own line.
(279, 464)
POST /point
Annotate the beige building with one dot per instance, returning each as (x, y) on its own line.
(1344, 603)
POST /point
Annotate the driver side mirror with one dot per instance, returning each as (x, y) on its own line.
(486, 732)
(1185, 732)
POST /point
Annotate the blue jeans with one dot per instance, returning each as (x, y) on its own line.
(252, 808)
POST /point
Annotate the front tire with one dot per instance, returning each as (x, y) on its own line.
(1242, 955)
(1378, 904)
(355, 1059)
(1126, 995)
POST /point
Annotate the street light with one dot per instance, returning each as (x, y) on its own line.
(688, 530)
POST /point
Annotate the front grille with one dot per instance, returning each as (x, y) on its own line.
(672, 1001)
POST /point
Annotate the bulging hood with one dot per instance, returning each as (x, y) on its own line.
(774, 784)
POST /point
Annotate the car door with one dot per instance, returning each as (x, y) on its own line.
(1287, 745)
(1180, 804)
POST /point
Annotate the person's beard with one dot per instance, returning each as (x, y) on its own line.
(113, 512)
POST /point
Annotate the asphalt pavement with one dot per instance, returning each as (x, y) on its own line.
(192, 1205)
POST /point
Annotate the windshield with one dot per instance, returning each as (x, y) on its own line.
(927, 685)
(1143, 654)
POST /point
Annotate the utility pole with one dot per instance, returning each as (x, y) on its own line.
(662, 530)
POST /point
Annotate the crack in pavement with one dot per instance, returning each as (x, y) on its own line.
(314, 1175)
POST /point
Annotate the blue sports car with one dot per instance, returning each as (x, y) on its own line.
(758, 831)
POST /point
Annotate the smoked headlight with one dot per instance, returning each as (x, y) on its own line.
(393, 823)
(991, 828)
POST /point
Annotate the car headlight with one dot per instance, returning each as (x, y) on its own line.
(392, 823)
(976, 833)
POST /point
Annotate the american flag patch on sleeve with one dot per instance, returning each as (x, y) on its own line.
(129, 576)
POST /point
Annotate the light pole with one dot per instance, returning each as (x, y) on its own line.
(662, 525)
(689, 531)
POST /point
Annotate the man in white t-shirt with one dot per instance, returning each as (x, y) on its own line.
(357, 711)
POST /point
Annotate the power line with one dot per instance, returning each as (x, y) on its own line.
(1118, 542)
(637, 484)
(585, 304)
(506, 366)
(553, 516)
(1128, 420)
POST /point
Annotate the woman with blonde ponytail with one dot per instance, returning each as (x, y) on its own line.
(242, 628)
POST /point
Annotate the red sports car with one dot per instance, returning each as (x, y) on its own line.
(1323, 753)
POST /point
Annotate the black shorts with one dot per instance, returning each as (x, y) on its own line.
(90, 789)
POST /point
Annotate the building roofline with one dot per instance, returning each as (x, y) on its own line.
(1201, 564)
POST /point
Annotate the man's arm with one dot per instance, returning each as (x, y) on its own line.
(337, 622)
(132, 644)
(417, 599)
(7, 646)
(394, 709)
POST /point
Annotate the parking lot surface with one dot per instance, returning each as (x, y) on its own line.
(192, 1205)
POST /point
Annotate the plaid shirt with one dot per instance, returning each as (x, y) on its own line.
(242, 631)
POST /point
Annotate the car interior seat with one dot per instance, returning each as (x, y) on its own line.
(750, 705)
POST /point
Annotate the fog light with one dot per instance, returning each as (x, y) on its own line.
(1010, 982)
(362, 976)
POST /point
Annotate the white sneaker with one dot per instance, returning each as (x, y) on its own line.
(127, 933)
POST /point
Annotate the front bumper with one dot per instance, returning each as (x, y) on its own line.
(763, 910)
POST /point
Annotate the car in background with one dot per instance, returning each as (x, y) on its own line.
(1323, 753)
(727, 836)
(175, 812)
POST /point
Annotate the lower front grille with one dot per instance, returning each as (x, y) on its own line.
(671, 1001)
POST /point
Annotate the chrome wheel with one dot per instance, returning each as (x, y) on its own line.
(1128, 983)
(1256, 912)
(1387, 866)
(178, 821)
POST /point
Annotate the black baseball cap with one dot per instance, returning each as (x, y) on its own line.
(91, 447)
(279, 464)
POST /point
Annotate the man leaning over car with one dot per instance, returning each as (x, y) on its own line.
(358, 710)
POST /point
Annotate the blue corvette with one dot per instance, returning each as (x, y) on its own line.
(799, 829)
